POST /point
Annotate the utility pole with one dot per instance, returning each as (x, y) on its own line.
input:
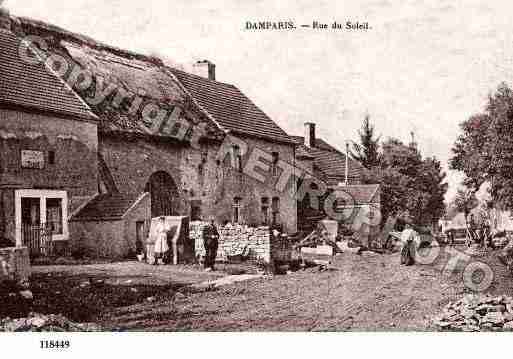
(347, 164)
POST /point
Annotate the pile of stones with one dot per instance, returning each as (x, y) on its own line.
(44, 323)
(477, 313)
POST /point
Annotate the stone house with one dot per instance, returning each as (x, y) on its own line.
(48, 146)
(144, 138)
(239, 197)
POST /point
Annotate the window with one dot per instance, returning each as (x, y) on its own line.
(196, 211)
(274, 165)
(236, 209)
(54, 215)
(51, 157)
(265, 211)
(204, 152)
(31, 212)
(275, 206)
(201, 174)
(237, 158)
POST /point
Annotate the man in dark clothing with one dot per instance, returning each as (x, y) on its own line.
(211, 242)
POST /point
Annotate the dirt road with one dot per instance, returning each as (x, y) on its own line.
(368, 292)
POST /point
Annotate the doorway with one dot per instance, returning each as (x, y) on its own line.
(164, 194)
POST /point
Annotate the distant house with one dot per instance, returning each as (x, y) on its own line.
(99, 163)
(324, 161)
(338, 172)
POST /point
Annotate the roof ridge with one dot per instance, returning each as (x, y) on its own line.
(85, 39)
(201, 77)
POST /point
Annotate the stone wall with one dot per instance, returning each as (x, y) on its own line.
(251, 190)
(74, 144)
(98, 239)
(213, 189)
(260, 243)
(131, 161)
(14, 264)
(69, 148)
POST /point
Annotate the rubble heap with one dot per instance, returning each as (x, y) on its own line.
(44, 323)
(477, 313)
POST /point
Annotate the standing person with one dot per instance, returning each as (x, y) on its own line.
(161, 246)
(211, 242)
(472, 230)
(485, 223)
(408, 238)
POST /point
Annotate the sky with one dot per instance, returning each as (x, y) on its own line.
(425, 66)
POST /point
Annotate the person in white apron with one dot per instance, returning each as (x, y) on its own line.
(410, 241)
(161, 246)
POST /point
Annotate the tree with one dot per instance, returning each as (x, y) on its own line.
(410, 185)
(367, 151)
(393, 186)
(472, 151)
(431, 183)
(484, 150)
(465, 201)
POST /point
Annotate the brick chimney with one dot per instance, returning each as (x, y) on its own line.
(5, 20)
(309, 134)
(205, 69)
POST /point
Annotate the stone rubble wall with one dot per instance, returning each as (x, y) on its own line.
(475, 313)
(260, 243)
(14, 264)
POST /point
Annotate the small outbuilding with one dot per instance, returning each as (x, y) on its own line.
(111, 226)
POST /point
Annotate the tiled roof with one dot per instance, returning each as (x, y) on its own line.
(226, 105)
(329, 161)
(230, 108)
(35, 86)
(133, 73)
(362, 193)
(105, 207)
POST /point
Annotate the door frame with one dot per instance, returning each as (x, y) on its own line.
(42, 195)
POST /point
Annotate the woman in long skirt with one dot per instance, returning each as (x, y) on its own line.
(161, 246)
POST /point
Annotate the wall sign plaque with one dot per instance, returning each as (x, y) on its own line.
(32, 159)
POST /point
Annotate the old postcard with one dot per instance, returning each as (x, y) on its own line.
(236, 166)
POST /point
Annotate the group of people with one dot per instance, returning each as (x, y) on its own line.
(210, 242)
